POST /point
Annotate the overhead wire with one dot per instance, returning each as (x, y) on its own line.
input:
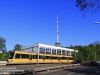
(18, 40)
(17, 43)
(13, 44)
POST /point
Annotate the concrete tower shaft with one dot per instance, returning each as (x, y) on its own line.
(57, 40)
(57, 35)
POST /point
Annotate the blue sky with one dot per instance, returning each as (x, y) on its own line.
(32, 21)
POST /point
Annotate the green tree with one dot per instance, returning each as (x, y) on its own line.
(1, 56)
(71, 46)
(77, 47)
(92, 46)
(85, 54)
(2, 44)
(17, 47)
(97, 49)
(79, 55)
(3, 48)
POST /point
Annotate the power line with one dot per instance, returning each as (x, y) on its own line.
(11, 43)
(7, 46)
(14, 44)
(18, 40)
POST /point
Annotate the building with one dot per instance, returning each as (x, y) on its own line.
(48, 49)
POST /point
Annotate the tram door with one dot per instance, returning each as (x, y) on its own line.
(30, 58)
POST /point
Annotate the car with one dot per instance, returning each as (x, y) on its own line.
(93, 63)
(77, 61)
(98, 62)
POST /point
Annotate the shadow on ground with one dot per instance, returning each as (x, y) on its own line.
(88, 70)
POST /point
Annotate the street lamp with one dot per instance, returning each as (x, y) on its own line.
(96, 22)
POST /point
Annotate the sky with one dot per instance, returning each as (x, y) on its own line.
(27, 22)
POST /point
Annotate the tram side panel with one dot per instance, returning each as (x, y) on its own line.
(48, 59)
(55, 59)
(34, 58)
(70, 60)
(63, 59)
(41, 59)
(45, 58)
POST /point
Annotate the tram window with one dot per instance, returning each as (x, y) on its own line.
(34, 56)
(67, 58)
(24, 56)
(64, 58)
(61, 57)
(17, 56)
(40, 57)
(70, 58)
(11, 56)
(48, 57)
(27, 56)
(54, 57)
(21, 56)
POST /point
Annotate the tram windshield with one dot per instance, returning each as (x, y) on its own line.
(11, 55)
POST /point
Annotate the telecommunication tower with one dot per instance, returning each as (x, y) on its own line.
(57, 35)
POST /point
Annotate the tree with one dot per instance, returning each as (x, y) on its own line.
(88, 5)
(92, 46)
(97, 49)
(71, 46)
(2, 44)
(17, 47)
(88, 53)
(3, 48)
(77, 47)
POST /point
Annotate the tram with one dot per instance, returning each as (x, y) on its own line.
(31, 57)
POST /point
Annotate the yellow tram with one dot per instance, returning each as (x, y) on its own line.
(32, 57)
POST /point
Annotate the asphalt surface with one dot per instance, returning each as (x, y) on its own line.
(30, 67)
(79, 70)
(22, 68)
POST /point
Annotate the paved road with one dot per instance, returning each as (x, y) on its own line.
(5, 69)
(80, 70)
(30, 67)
